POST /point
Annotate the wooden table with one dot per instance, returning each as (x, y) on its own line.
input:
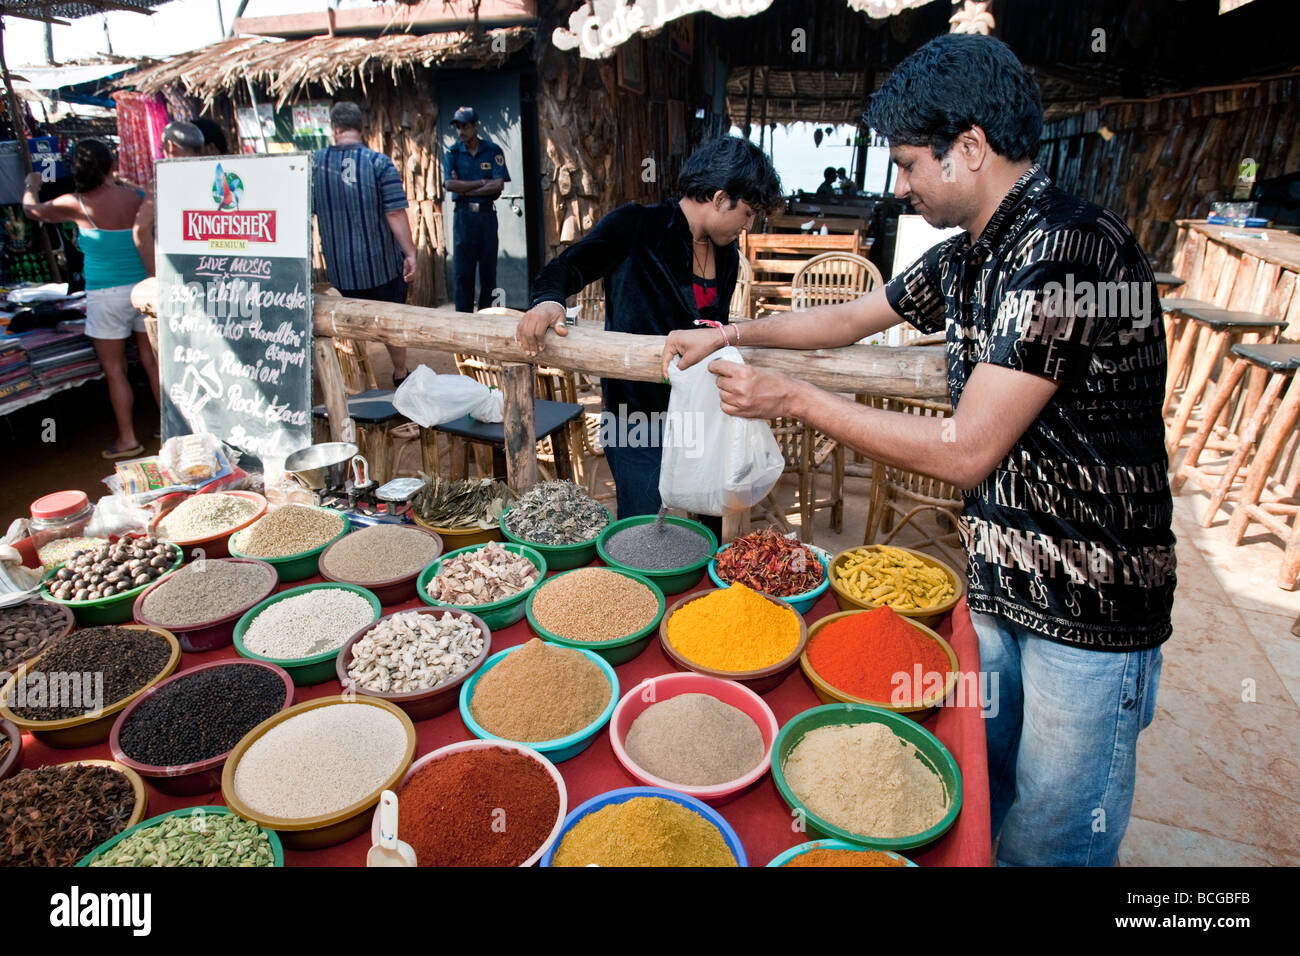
(1222, 268)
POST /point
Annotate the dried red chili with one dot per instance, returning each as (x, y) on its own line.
(861, 654)
(768, 561)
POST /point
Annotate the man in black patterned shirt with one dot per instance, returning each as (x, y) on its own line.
(1056, 368)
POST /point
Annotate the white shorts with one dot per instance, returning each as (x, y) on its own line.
(110, 314)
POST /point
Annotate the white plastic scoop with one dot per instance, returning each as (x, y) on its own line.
(389, 851)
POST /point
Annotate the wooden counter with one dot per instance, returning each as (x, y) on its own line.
(1231, 272)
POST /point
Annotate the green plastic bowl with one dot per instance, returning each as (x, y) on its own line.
(110, 610)
(618, 650)
(559, 557)
(674, 580)
(497, 615)
(292, 567)
(277, 848)
(305, 671)
(781, 859)
(932, 752)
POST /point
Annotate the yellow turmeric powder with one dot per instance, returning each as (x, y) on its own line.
(734, 629)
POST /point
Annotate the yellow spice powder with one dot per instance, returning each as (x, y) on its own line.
(734, 629)
(644, 831)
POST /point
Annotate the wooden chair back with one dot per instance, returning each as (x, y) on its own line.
(777, 257)
(832, 278)
(740, 305)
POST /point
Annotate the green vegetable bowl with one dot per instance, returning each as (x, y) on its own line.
(305, 671)
(618, 650)
(673, 580)
(277, 849)
(292, 567)
(559, 557)
(930, 752)
(497, 615)
(110, 610)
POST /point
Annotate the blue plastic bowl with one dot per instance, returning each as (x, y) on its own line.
(781, 859)
(802, 603)
(562, 748)
(627, 793)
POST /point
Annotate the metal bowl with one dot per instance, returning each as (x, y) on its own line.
(318, 467)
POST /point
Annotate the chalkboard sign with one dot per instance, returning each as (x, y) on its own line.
(234, 300)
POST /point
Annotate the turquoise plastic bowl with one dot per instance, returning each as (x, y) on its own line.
(277, 848)
(305, 671)
(674, 580)
(562, 748)
(497, 615)
(559, 557)
(781, 859)
(618, 650)
(292, 567)
(800, 602)
(627, 793)
(932, 752)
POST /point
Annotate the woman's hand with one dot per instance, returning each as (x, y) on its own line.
(530, 333)
(691, 345)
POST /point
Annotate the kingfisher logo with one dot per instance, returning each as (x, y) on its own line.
(227, 190)
(229, 227)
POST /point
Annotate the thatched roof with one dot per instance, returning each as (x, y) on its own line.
(286, 68)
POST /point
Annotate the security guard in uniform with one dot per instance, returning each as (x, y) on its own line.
(475, 172)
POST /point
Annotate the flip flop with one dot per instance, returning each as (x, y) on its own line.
(398, 381)
(111, 455)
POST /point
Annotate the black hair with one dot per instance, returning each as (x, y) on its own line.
(212, 134)
(92, 163)
(955, 82)
(828, 172)
(737, 167)
(347, 115)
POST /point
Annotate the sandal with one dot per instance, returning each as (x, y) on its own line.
(110, 455)
(398, 381)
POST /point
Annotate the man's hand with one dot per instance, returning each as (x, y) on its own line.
(33, 180)
(749, 392)
(691, 345)
(530, 333)
(408, 267)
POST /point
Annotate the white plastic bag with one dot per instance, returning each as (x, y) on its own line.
(713, 463)
(429, 399)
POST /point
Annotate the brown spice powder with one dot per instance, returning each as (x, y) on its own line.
(540, 692)
(822, 857)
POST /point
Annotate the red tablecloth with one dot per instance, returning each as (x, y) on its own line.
(760, 816)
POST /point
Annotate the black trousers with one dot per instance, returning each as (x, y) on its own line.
(474, 248)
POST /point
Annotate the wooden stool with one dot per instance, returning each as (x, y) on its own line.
(375, 417)
(1180, 336)
(1166, 282)
(1223, 328)
(1278, 431)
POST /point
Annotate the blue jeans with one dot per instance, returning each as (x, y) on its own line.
(1062, 744)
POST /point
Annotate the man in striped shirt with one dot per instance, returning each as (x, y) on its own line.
(360, 209)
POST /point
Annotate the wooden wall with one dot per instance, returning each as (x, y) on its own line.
(1171, 157)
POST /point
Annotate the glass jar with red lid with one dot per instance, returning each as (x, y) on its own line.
(63, 514)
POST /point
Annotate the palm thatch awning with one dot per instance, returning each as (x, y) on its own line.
(287, 68)
(60, 11)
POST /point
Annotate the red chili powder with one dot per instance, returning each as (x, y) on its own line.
(488, 807)
(861, 653)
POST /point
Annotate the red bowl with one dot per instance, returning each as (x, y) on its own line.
(9, 765)
(215, 545)
(393, 590)
(654, 690)
(418, 704)
(208, 635)
(188, 779)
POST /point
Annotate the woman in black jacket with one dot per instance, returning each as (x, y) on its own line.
(666, 267)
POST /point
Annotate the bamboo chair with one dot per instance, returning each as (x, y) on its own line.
(740, 306)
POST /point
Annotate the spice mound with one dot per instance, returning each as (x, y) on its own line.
(202, 839)
(411, 651)
(879, 574)
(484, 807)
(56, 815)
(112, 569)
(59, 550)
(824, 857)
(321, 761)
(383, 552)
(87, 671)
(287, 531)
(657, 547)
(27, 629)
(204, 516)
(734, 630)
(594, 604)
(540, 692)
(556, 513)
(201, 716)
(695, 740)
(770, 562)
(867, 780)
(467, 503)
(308, 624)
(489, 574)
(207, 591)
(644, 831)
(865, 654)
